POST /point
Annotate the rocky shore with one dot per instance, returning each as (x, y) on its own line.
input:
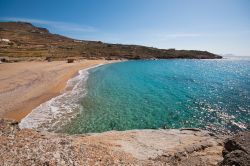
(135, 147)
(237, 150)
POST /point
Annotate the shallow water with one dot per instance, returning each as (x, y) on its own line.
(207, 94)
(60, 110)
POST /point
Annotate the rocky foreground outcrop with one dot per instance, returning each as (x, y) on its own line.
(135, 147)
(184, 147)
(237, 150)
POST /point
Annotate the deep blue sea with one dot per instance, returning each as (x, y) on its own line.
(150, 94)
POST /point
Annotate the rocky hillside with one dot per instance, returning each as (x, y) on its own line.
(23, 40)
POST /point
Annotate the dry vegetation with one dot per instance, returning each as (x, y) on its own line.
(29, 42)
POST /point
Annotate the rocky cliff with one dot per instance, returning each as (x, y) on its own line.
(23, 40)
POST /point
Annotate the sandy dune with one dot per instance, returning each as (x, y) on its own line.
(25, 85)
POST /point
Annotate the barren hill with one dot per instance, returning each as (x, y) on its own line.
(24, 40)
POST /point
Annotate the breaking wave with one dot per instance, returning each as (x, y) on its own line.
(58, 111)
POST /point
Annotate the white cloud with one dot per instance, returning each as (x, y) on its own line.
(63, 26)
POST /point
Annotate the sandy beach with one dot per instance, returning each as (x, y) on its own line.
(25, 85)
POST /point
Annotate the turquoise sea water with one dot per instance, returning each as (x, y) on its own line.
(146, 94)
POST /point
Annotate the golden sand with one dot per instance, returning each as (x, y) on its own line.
(25, 85)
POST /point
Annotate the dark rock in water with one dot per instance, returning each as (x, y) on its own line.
(237, 150)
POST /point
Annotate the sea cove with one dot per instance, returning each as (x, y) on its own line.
(151, 94)
(207, 94)
(125, 83)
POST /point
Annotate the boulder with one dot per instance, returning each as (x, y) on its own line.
(237, 150)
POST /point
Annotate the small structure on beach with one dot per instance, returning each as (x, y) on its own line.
(70, 60)
(3, 59)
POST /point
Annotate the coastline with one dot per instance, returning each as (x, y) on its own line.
(131, 147)
(26, 85)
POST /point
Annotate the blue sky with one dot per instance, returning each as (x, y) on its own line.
(219, 26)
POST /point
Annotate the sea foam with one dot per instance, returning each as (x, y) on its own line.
(58, 111)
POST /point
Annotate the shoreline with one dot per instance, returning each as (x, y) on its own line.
(37, 88)
(59, 110)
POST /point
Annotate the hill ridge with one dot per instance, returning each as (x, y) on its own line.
(25, 40)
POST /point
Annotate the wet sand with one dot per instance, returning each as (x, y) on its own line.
(25, 85)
